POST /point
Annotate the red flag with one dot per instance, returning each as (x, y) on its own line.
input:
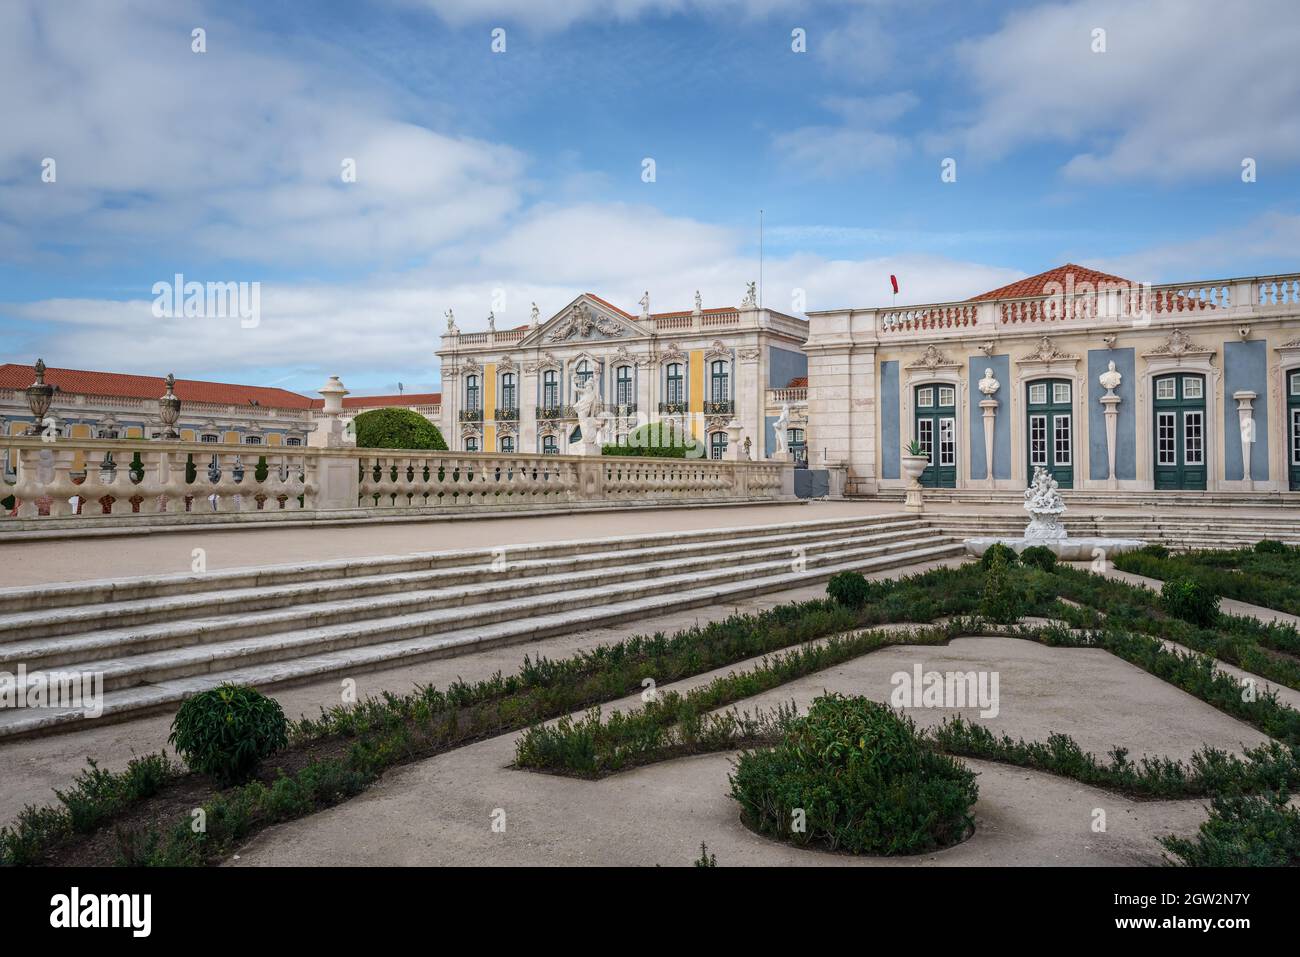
(894, 282)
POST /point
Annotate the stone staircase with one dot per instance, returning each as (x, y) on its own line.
(159, 639)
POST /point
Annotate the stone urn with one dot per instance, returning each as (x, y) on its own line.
(913, 467)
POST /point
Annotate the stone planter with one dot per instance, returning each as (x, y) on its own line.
(913, 466)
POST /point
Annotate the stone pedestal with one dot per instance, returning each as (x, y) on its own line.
(1110, 402)
(1246, 418)
(989, 407)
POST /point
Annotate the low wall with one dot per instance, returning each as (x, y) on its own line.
(111, 483)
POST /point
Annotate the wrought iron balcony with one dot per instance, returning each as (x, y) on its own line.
(672, 408)
(720, 407)
(507, 415)
(471, 415)
(551, 412)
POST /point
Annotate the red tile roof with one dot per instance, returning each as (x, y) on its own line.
(1064, 276)
(81, 382)
(798, 382)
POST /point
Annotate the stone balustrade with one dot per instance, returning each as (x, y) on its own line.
(1119, 304)
(116, 482)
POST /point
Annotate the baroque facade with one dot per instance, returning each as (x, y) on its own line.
(703, 370)
(1108, 384)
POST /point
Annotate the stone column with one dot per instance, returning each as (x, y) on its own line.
(989, 386)
(526, 399)
(1246, 418)
(750, 394)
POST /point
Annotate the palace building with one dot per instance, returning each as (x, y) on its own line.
(703, 370)
(1108, 384)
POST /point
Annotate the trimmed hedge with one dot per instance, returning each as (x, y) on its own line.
(1007, 553)
(855, 775)
(659, 440)
(1039, 556)
(1190, 600)
(397, 429)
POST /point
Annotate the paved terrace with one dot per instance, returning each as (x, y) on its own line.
(169, 551)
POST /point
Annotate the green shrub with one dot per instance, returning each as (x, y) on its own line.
(706, 859)
(659, 440)
(1154, 549)
(1039, 556)
(1004, 600)
(227, 731)
(1190, 600)
(849, 589)
(1243, 831)
(1008, 554)
(395, 428)
(1269, 546)
(854, 775)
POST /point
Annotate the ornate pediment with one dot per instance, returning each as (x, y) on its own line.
(583, 320)
(718, 350)
(506, 364)
(544, 361)
(672, 353)
(1179, 344)
(1047, 352)
(932, 359)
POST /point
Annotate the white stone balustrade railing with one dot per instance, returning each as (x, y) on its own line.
(107, 481)
(782, 396)
(1108, 305)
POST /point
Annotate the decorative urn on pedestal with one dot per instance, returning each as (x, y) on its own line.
(914, 462)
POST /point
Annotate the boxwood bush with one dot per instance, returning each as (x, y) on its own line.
(1190, 600)
(849, 589)
(396, 428)
(854, 775)
(1243, 831)
(1007, 553)
(226, 731)
(1039, 556)
(1005, 600)
(1269, 546)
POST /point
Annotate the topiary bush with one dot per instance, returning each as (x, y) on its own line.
(1269, 546)
(849, 589)
(1190, 600)
(396, 428)
(853, 775)
(225, 732)
(1039, 556)
(1004, 600)
(1008, 554)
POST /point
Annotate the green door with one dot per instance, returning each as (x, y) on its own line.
(1178, 432)
(936, 430)
(1050, 429)
(1293, 427)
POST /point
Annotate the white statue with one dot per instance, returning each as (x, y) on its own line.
(534, 317)
(751, 294)
(492, 321)
(451, 321)
(779, 439)
(988, 384)
(699, 303)
(1045, 507)
(585, 407)
(645, 303)
(1111, 378)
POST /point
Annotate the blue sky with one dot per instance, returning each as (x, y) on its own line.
(515, 177)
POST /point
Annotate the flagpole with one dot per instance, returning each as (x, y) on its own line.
(760, 259)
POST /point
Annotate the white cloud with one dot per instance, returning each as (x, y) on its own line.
(1271, 237)
(558, 14)
(1185, 87)
(831, 151)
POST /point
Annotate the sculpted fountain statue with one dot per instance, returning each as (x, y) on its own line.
(1045, 506)
(585, 407)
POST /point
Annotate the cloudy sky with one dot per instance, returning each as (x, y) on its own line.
(509, 177)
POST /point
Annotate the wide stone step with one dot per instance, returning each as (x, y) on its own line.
(49, 652)
(299, 637)
(52, 622)
(165, 694)
(27, 598)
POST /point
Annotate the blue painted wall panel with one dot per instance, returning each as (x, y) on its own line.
(1245, 368)
(1125, 428)
(891, 450)
(1001, 366)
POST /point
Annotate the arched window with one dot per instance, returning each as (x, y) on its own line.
(676, 393)
(471, 443)
(550, 389)
(508, 396)
(472, 399)
(507, 443)
(719, 381)
(717, 445)
(549, 445)
(583, 372)
(623, 378)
